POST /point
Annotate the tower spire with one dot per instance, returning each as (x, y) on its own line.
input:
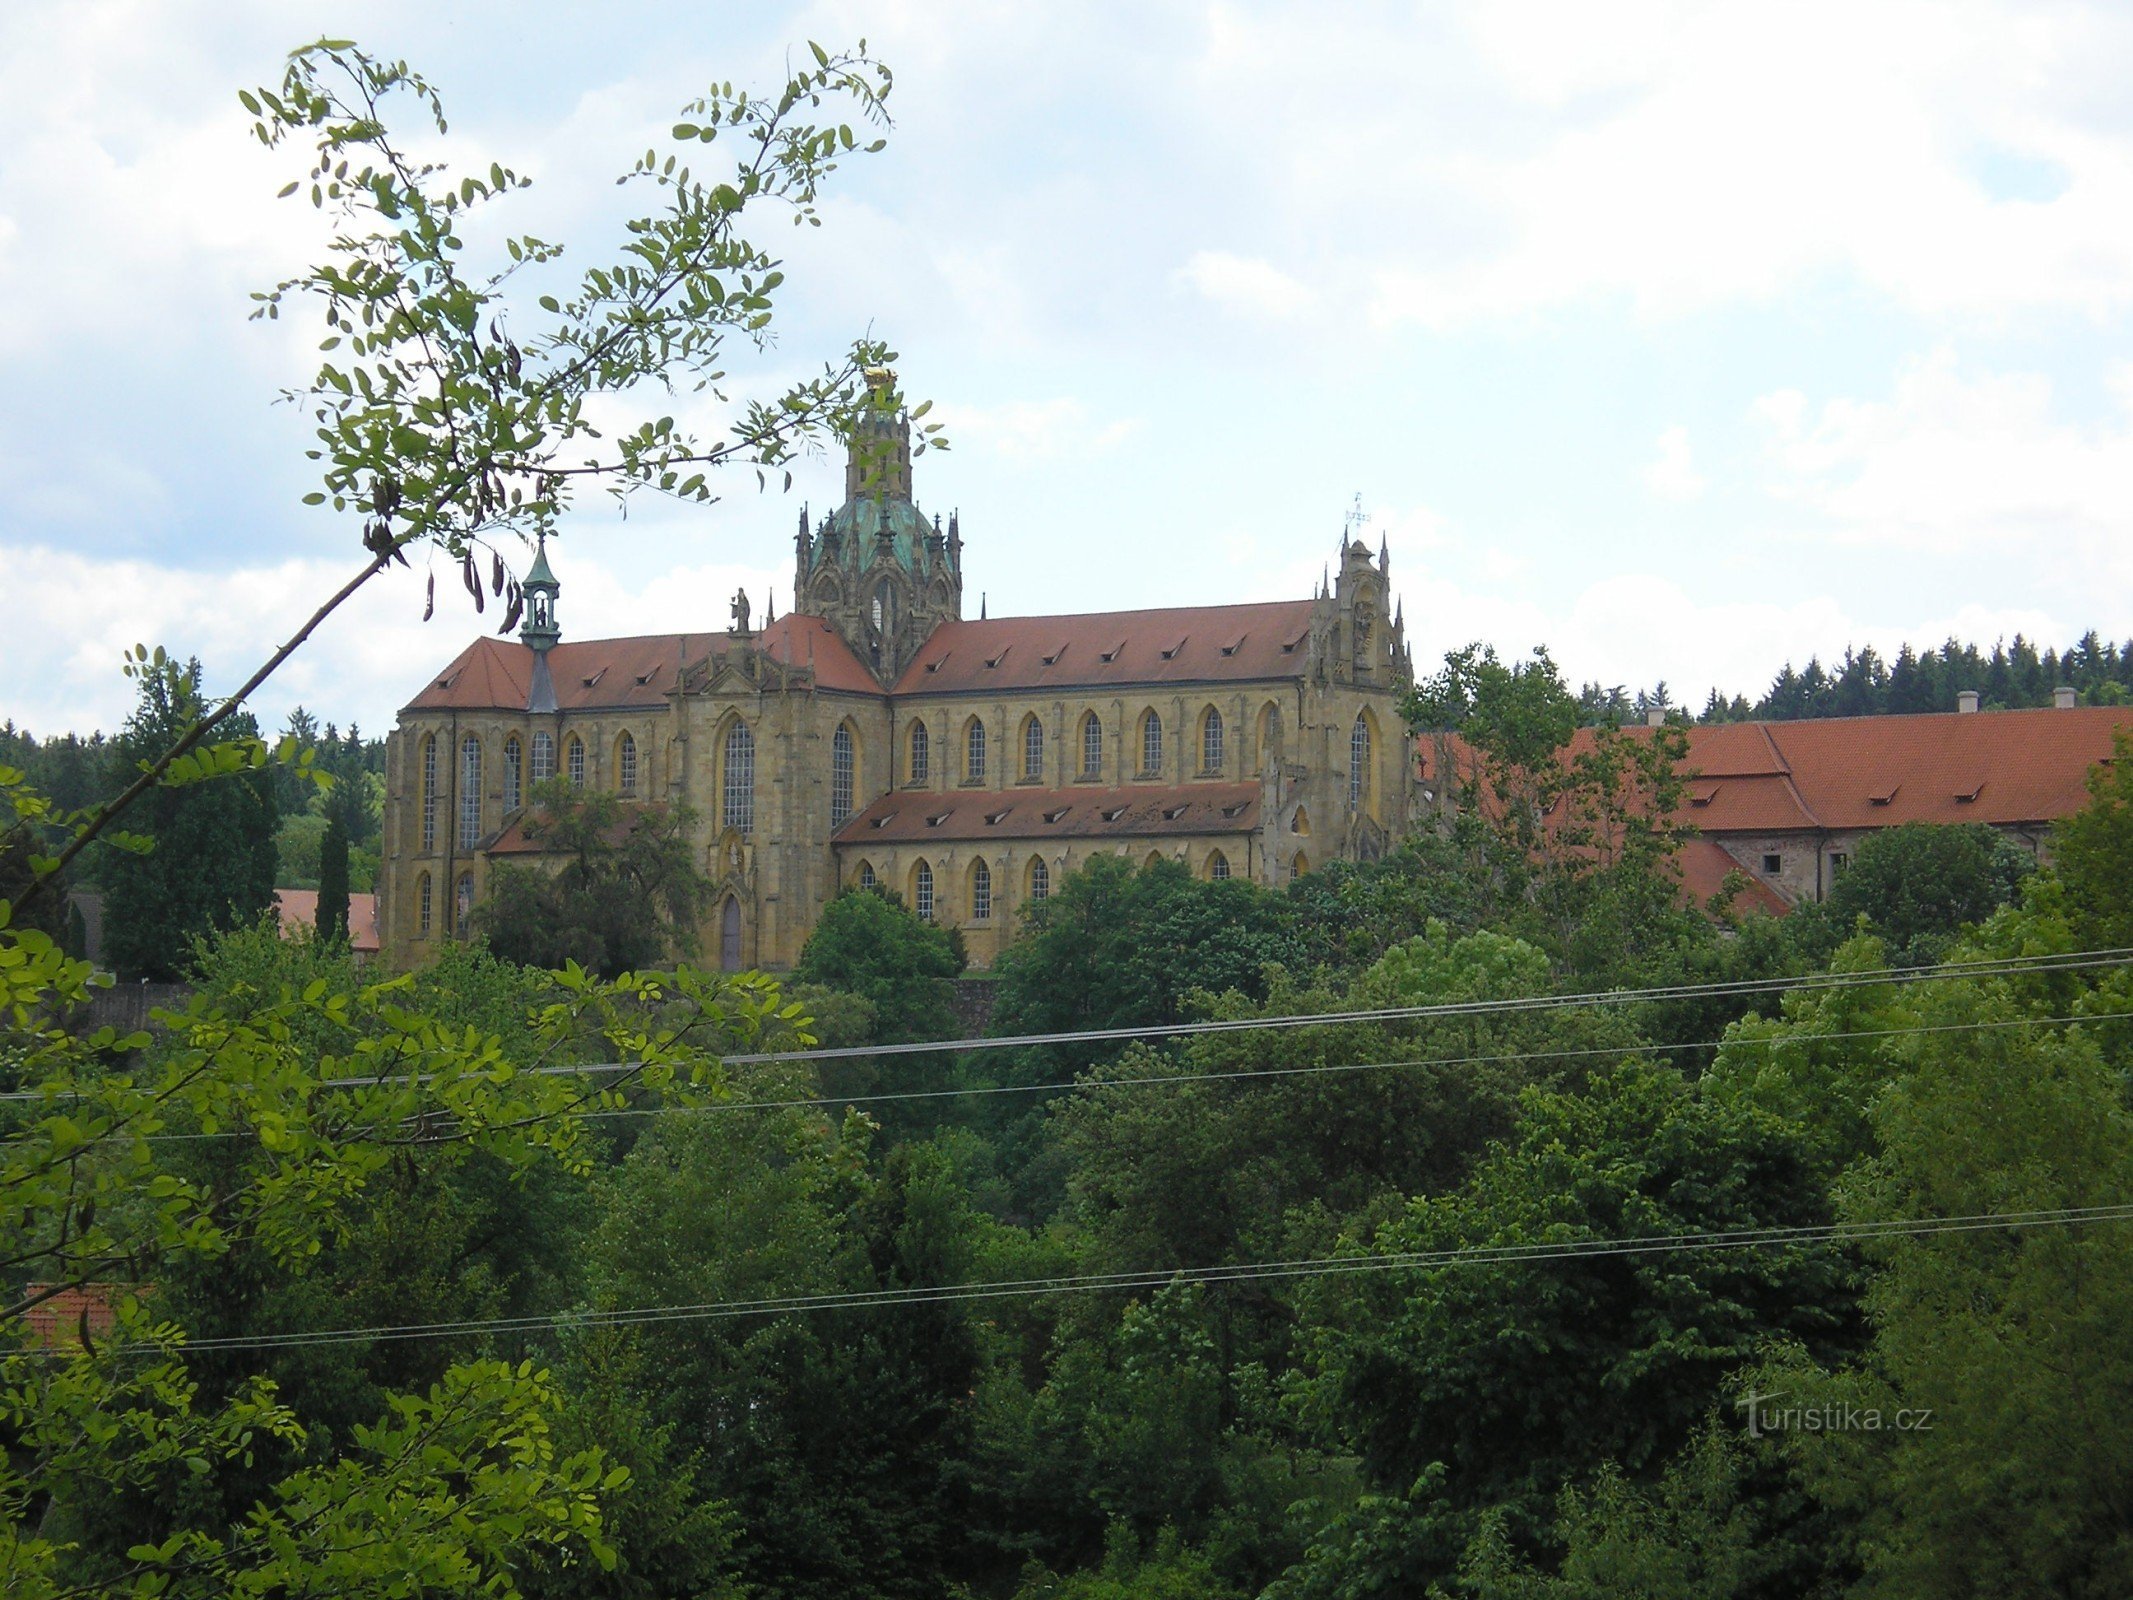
(540, 588)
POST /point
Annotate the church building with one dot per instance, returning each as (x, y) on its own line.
(874, 735)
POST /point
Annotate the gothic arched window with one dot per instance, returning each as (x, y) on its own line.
(737, 791)
(1359, 760)
(543, 757)
(1218, 866)
(429, 795)
(469, 791)
(840, 776)
(463, 904)
(1040, 878)
(922, 892)
(921, 753)
(1269, 735)
(1211, 741)
(884, 621)
(867, 880)
(980, 892)
(626, 764)
(974, 752)
(514, 773)
(575, 756)
(1151, 745)
(422, 903)
(1092, 746)
(1032, 748)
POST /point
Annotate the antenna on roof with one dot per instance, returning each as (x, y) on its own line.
(981, 605)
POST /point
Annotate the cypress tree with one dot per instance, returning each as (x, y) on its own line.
(333, 882)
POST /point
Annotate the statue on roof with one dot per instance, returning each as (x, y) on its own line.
(740, 611)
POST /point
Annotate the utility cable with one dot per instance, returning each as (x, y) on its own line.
(1243, 1272)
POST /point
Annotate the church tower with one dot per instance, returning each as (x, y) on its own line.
(875, 569)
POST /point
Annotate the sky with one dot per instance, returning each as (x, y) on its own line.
(1684, 340)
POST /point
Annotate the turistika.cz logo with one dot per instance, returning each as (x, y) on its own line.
(1764, 1416)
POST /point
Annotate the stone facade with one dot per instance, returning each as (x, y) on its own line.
(876, 736)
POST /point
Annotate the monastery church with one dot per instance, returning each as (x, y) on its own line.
(874, 735)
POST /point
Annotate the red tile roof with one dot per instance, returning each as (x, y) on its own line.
(1187, 644)
(2001, 767)
(58, 1322)
(620, 674)
(1142, 811)
(1705, 866)
(298, 908)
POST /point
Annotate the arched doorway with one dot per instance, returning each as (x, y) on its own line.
(729, 936)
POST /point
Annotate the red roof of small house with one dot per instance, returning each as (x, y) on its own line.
(1143, 811)
(1187, 644)
(298, 908)
(60, 1320)
(624, 674)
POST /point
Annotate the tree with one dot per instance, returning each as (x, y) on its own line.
(333, 883)
(1918, 885)
(624, 895)
(212, 865)
(1119, 946)
(867, 943)
(1469, 1390)
(2092, 853)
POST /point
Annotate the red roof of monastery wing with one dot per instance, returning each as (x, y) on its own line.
(1077, 813)
(1189, 644)
(619, 674)
(2001, 767)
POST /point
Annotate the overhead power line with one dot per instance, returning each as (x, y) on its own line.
(1258, 1271)
(1247, 1074)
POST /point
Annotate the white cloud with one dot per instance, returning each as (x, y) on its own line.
(1952, 463)
(1673, 476)
(1245, 286)
(73, 618)
(1033, 430)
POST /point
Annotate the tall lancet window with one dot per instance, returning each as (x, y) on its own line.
(738, 800)
(840, 776)
(514, 771)
(543, 757)
(429, 793)
(469, 791)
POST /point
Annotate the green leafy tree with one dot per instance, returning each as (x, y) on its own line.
(869, 944)
(1571, 840)
(333, 883)
(2092, 852)
(1917, 886)
(620, 892)
(1116, 945)
(2004, 1348)
(1469, 1391)
(213, 862)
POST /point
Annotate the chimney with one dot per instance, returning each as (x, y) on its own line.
(1655, 718)
(1966, 701)
(2063, 697)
